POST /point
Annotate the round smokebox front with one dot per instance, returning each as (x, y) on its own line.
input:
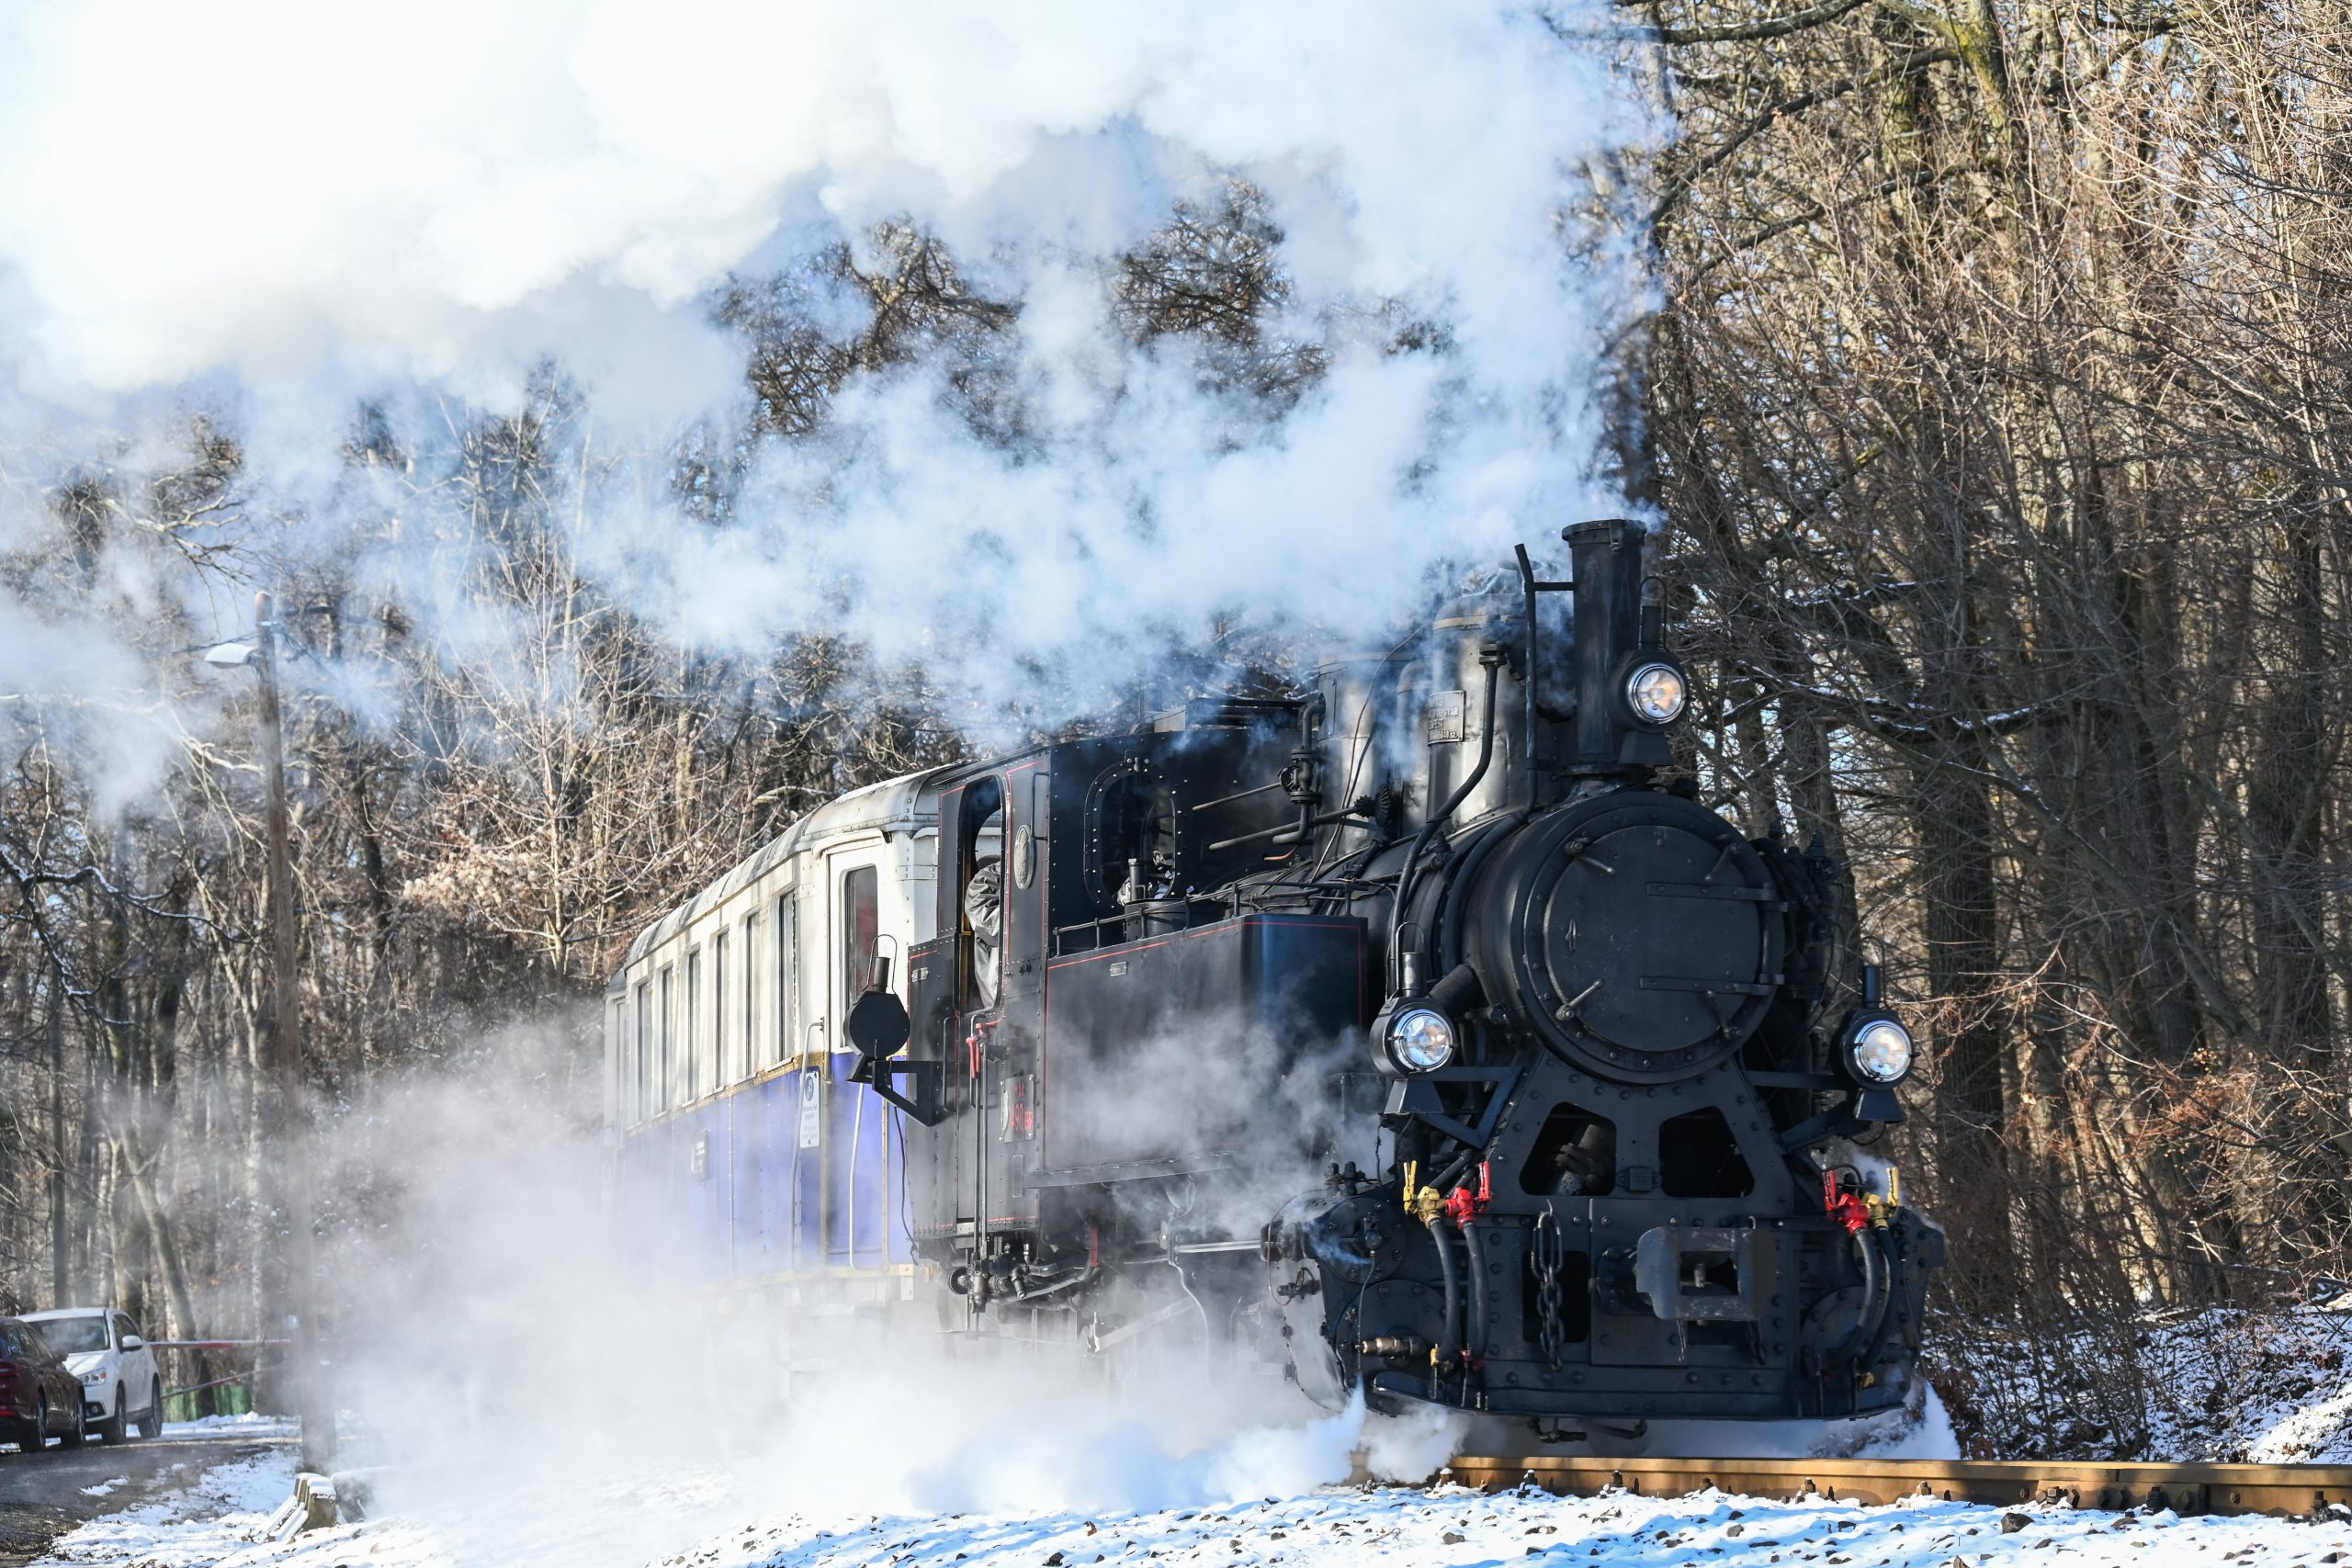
(1637, 934)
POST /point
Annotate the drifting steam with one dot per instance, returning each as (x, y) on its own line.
(421, 213)
(548, 1388)
(324, 233)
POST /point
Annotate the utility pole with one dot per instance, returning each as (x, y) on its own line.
(317, 1411)
(59, 1274)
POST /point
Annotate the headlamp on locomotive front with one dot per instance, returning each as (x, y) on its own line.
(1417, 1039)
(1877, 1049)
(1656, 691)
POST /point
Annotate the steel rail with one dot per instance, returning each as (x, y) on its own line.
(2288, 1489)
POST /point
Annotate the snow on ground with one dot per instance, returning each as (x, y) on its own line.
(2221, 1384)
(1061, 1493)
(218, 1524)
(1451, 1526)
(207, 1523)
(253, 1423)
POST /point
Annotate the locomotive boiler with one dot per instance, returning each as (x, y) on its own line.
(1416, 1025)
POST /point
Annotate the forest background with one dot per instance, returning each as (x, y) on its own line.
(1997, 387)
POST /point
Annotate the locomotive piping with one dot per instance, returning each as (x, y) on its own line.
(1862, 1342)
(1451, 905)
(1527, 681)
(1492, 659)
(1086, 1275)
(1886, 1311)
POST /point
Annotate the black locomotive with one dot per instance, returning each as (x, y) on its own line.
(1409, 1020)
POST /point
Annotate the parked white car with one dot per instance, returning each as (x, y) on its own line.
(121, 1391)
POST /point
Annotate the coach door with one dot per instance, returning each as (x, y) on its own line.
(861, 906)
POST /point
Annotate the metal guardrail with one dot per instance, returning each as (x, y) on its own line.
(2288, 1489)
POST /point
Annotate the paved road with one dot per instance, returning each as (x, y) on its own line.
(41, 1495)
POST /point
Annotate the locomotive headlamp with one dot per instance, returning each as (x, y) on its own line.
(1420, 1040)
(1877, 1050)
(1657, 692)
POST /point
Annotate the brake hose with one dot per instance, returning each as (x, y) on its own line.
(1449, 1348)
(1474, 1348)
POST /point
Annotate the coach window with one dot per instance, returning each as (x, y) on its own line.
(723, 1067)
(616, 1058)
(640, 1043)
(861, 923)
(693, 1028)
(749, 1049)
(666, 1081)
(787, 956)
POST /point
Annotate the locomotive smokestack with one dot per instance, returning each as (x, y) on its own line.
(1616, 636)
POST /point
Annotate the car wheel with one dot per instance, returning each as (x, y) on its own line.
(116, 1427)
(35, 1437)
(151, 1425)
(78, 1433)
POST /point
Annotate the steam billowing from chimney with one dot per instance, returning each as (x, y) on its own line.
(272, 215)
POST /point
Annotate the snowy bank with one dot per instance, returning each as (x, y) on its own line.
(2222, 1384)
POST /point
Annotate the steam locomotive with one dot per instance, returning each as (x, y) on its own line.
(1407, 1024)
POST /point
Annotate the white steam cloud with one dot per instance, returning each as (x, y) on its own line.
(547, 1386)
(273, 213)
(270, 217)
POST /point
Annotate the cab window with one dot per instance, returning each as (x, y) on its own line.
(981, 916)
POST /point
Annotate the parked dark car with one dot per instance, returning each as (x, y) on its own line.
(38, 1398)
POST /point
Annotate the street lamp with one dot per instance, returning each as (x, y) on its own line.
(311, 1403)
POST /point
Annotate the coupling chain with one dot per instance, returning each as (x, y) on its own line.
(1549, 1255)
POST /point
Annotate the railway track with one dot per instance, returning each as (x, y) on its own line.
(2284, 1489)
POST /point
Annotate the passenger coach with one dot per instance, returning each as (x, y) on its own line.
(734, 1131)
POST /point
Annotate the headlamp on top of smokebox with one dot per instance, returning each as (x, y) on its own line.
(1655, 690)
(1876, 1048)
(1410, 1036)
